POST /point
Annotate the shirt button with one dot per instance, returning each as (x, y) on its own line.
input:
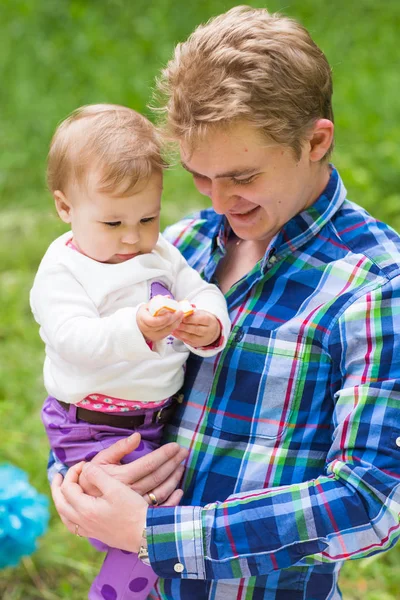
(398, 441)
(178, 568)
(238, 336)
(273, 260)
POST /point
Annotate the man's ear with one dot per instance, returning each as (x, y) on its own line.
(321, 139)
(63, 206)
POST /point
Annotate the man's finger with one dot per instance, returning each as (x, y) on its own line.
(57, 481)
(164, 480)
(73, 528)
(63, 506)
(97, 476)
(164, 491)
(132, 473)
(72, 475)
(115, 453)
(56, 487)
(174, 499)
(87, 487)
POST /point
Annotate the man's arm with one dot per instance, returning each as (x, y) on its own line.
(350, 511)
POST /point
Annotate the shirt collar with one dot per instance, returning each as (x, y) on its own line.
(302, 227)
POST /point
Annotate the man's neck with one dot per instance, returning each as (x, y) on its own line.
(320, 181)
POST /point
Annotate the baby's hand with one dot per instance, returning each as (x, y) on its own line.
(199, 329)
(158, 327)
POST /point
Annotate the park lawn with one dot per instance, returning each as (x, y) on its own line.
(55, 56)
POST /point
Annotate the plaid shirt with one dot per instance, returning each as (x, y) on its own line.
(294, 429)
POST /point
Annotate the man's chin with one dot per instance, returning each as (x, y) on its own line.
(245, 222)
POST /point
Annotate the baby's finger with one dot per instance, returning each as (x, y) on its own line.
(151, 321)
(191, 329)
(164, 332)
(199, 317)
(190, 340)
(162, 322)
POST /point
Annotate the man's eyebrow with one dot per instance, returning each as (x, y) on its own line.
(234, 173)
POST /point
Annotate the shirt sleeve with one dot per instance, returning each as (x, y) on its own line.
(189, 285)
(350, 511)
(72, 327)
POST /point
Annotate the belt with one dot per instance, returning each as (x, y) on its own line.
(160, 417)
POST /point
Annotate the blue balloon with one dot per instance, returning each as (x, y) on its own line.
(24, 516)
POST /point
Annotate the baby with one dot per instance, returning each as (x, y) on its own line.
(114, 364)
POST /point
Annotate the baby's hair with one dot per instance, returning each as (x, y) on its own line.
(246, 64)
(122, 145)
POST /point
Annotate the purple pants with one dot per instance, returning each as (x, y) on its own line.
(122, 576)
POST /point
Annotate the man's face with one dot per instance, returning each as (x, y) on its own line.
(114, 229)
(257, 184)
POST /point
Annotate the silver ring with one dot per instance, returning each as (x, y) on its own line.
(153, 499)
(77, 530)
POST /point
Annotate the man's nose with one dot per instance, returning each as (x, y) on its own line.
(220, 197)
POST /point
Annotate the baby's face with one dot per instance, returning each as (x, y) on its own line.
(113, 230)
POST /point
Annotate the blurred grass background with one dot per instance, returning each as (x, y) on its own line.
(58, 54)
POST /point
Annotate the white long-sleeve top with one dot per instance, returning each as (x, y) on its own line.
(87, 316)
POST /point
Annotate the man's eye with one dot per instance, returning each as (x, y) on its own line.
(243, 181)
(147, 220)
(112, 223)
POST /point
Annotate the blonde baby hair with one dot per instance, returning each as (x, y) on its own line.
(120, 143)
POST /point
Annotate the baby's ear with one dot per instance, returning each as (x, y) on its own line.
(62, 205)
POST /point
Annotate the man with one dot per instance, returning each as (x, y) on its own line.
(293, 432)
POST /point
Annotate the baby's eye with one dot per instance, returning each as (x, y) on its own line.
(112, 223)
(147, 220)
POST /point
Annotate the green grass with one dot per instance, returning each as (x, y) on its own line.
(58, 54)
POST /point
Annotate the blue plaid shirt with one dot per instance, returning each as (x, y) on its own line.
(294, 429)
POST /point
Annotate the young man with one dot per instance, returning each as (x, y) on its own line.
(294, 431)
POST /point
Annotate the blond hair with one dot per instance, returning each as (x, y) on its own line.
(246, 64)
(117, 141)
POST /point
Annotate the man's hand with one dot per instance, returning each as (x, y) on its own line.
(158, 472)
(117, 517)
(157, 328)
(199, 329)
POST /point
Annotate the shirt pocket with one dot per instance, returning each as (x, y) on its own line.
(257, 384)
